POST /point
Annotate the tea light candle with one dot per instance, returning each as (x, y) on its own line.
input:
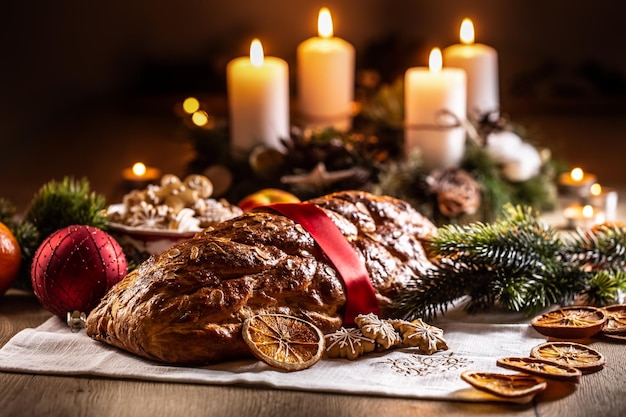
(480, 62)
(258, 101)
(605, 198)
(583, 216)
(576, 181)
(140, 174)
(325, 78)
(428, 92)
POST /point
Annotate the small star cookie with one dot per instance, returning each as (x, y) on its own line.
(416, 333)
(379, 330)
(348, 343)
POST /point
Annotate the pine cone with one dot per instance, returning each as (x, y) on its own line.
(457, 191)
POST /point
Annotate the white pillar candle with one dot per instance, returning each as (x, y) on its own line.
(434, 101)
(480, 63)
(325, 78)
(258, 101)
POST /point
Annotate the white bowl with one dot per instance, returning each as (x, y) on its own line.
(139, 243)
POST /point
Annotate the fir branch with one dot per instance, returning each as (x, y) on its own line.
(517, 263)
(519, 241)
(60, 204)
(428, 295)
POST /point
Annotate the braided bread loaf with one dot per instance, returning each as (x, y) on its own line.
(187, 304)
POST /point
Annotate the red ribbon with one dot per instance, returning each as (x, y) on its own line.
(360, 294)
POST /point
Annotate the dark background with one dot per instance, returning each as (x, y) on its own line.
(86, 86)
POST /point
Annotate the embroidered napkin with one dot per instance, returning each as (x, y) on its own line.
(52, 348)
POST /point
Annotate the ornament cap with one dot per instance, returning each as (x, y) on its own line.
(76, 320)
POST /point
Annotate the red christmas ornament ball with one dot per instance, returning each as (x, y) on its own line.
(74, 267)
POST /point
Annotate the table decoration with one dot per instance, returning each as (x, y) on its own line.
(583, 216)
(139, 175)
(574, 354)
(616, 319)
(10, 258)
(283, 342)
(570, 323)
(152, 219)
(480, 63)
(434, 105)
(605, 199)
(325, 78)
(57, 204)
(511, 386)
(371, 157)
(541, 367)
(576, 183)
(519, 264)
(258, 100)
(74, 267)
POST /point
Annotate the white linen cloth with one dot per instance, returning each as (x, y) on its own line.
(53, 349)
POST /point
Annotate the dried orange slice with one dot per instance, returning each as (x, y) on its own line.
(505, 385)
(617, 337)
(569, 353)
(541, 367)
(616, 319)
(570, 322)
(283, 341)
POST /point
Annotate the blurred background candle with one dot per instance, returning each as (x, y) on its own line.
(604, 198)
(575, 183)
(140, 175)
(583, 216)
(258, 101)
(434, 106)
(325, 68)
(480, 62)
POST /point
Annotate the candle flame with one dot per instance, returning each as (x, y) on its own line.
(256, 53)
(435, 60)
(467, 31)
(190, 105)
(139, 169)
(325, 23)
(595, 189)
(577, 174)
(588, 211)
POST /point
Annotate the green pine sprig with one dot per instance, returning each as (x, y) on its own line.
(60, 204)
(517, 263)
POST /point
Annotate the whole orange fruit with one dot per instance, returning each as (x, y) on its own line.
(10, 258)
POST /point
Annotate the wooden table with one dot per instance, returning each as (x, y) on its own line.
(600, 394)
